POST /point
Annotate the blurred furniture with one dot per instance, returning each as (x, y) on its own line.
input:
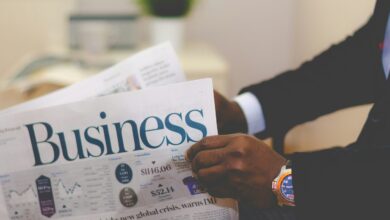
(103, 31)
(202, 61)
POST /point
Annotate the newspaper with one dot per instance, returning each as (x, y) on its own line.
(156, 66)
(117, 157)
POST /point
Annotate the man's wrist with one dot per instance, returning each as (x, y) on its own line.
(238, 117)
(282, 186)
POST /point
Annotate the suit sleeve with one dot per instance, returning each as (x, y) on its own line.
(342, 183)
(345, 75)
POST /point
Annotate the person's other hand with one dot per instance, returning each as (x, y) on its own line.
(230, 117)
(236, 166)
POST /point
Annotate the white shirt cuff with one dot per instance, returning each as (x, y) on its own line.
(253, 112)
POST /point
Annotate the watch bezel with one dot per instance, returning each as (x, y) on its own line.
(281, 186)
(277, 187)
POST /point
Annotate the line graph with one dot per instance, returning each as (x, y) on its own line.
(63, 191)
(27, 195)
(75, 189)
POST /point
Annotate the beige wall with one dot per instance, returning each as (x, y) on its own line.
(318, 25)
(259, 38)
(256, 36)
(30, 26)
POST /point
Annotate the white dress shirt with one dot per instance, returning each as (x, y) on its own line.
(253, 110)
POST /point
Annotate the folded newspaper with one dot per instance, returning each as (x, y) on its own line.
(152, 67)
(119, 156)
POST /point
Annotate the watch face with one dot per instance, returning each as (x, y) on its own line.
(286, 188)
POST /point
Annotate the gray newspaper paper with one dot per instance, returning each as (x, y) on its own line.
(117, 156)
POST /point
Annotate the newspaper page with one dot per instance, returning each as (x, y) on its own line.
(117, 157)
(155, 66)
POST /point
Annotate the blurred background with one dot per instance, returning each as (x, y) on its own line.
(48, 44)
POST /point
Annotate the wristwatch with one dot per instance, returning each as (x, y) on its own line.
(282, 186)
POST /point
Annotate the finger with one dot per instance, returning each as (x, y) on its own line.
(221, 192)
(207, 143)
(214, 180)
(206, 159)
(212, 177)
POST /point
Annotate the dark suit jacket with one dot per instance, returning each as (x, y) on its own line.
(339, 183)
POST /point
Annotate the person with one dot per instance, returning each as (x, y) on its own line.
(338, 183)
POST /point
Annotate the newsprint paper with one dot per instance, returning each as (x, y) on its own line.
(152, 67)
(115, 157)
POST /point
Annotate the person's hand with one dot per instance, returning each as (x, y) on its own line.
(236, 166)
(230, 118)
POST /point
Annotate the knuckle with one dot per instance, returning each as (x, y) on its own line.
(220, 157)
(206, 141)
(242, 151)
(240, 138)
(202, 176)
(235, 180)
(238, 150)
(239, 166)
(235, 166)
(197, 163)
